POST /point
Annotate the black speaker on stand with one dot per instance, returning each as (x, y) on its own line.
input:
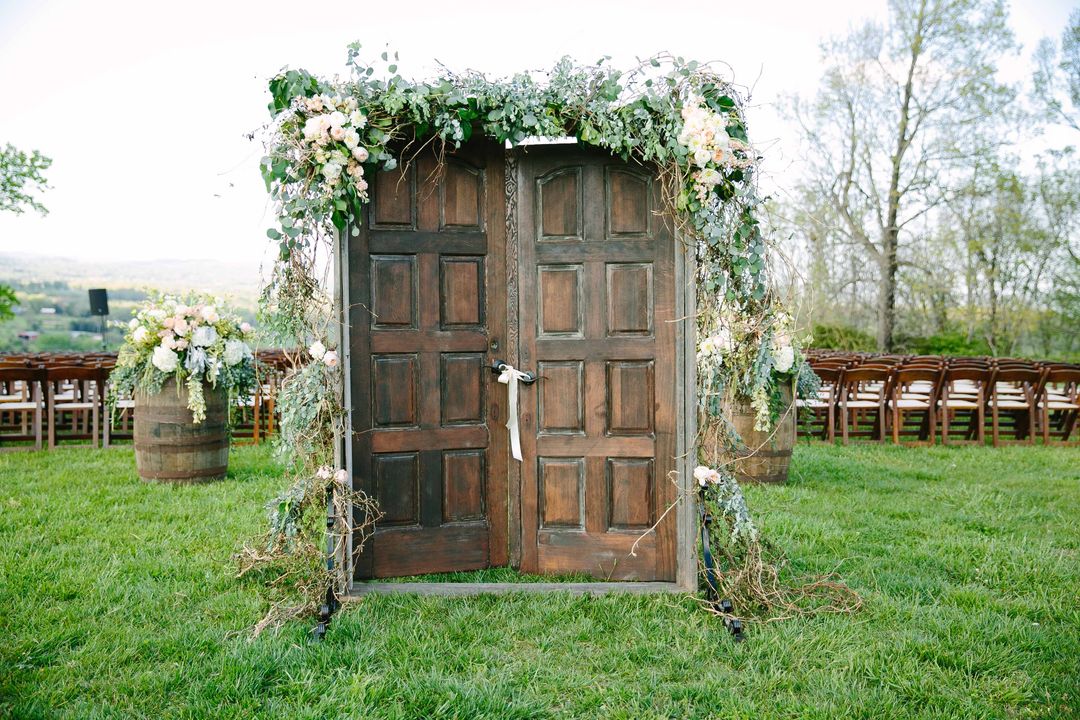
(99, 305)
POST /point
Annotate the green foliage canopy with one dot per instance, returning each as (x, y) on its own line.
(21, 175)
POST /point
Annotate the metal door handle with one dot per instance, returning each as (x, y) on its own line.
(498, 366)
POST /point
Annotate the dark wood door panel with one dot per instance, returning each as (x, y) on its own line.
(596, 268)
(426, 302)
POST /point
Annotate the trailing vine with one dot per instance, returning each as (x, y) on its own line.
(681, 118)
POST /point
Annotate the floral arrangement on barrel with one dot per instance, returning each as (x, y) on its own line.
(760, 357)
(194, 340)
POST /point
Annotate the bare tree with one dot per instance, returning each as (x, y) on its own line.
(1057, 75)
(1016, 236)
(896, 114)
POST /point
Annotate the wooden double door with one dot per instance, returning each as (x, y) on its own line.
(555, 260)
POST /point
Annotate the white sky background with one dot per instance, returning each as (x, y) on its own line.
(144, 105)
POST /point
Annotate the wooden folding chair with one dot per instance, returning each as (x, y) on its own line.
(1015, 392)
(863, 395)
(1060, 404)
(823, 407)
(119, 421)
(915, 390)
(74, 395)
(21, 406)
(964, 390)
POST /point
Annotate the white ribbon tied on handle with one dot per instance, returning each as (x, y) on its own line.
(509, 376)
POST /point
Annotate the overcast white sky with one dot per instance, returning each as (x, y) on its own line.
(144, 105)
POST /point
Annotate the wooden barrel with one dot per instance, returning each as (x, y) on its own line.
(767, 457)
(169, 445)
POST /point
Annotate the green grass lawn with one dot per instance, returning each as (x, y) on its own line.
(117, 599)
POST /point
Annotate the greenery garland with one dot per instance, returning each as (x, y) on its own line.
(328, 136)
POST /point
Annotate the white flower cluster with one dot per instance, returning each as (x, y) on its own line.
(704, 135)
(340, 476)
(783, 347)
(319, 353)
(332, 134)
(715, 345)
(206, 340)
(189, 337)
(706, 475)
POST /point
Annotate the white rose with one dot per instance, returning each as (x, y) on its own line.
(709, 176)
(324, 473)
(331, 171)
(330, 359)
(245, 327)
(140, 334)
(314, 127)
(165, 359)
(317, 350)
(360, 153)
(337, 133)
(133, 323)
(337, 119)
(341, 476)
(203, 336)
(351, 138)
(701, 474)
(785, 358)
(209, 314)
(236, 351)
(702, 157)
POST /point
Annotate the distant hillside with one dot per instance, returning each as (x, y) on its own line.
(238, 281)
(54, 311)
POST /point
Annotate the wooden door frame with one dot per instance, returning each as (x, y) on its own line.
(506, 244)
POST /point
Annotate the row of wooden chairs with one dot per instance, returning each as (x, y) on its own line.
(68, 401)
(912, 398)
(50, 398)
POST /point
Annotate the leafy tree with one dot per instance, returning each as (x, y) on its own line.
(901, 107)
(7, 302)
(20, 175)
(1057, 75)
(1056, 189)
